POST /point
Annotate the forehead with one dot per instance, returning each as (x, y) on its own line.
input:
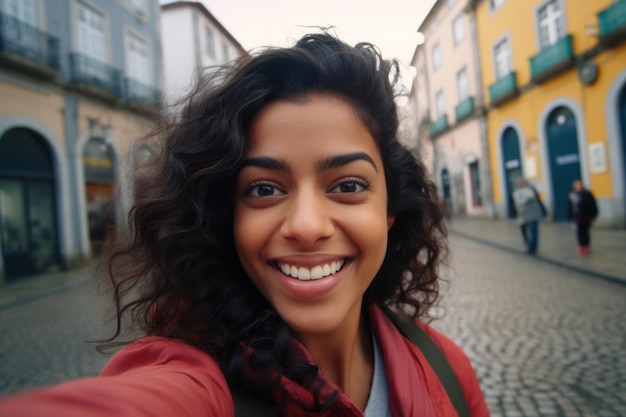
(315, 121)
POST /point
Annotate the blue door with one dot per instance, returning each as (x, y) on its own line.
(512, 167)
(564, 157)
(622, 132)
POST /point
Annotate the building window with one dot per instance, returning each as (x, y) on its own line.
(495, 4)
(91, 39)
(433, 26)
(138, 59)
(439, 105)
(502, 58)
(550, 23)
(139, 5)
(462, 84)
(475, 182)
(225, 54)
(458, 29)
(22, 10)
(436, 56)
(210, 42)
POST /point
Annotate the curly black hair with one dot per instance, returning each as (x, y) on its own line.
(178, 274)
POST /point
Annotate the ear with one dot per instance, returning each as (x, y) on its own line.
(390, 220)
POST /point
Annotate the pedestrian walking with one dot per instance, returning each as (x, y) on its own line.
(583, 210)
(530, 210)
(283, 256)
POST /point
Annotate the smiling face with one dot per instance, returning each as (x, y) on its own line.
(311, 212)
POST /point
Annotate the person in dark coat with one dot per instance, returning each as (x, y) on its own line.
(583, 210)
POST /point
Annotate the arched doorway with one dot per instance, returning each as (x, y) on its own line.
(98, 164)
(446, 192)
(512, 167)
(622, 134)
(27, 204)
(563, 156)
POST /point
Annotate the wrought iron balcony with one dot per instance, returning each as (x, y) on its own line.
(552, 59)
(93, 74)
(21, 40)
(439, 126)
(612, 23)
(138, 93)
(464, 109)
(503, 89)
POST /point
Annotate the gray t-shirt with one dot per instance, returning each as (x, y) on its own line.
(378, 403)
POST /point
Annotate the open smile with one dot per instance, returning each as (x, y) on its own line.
(303, 273)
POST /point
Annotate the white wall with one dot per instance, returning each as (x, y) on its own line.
(178, 51)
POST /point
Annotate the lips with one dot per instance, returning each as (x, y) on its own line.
(306, 274)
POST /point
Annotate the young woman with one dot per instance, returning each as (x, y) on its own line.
(281, 222)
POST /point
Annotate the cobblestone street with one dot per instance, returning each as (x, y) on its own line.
(45, 328)
(545, 340)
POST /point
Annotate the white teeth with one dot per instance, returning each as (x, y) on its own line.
(305, 274)
(317, 272)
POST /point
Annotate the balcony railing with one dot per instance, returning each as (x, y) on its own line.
(464, 109)
(612, 23)
(141, 94)
(503, 89)
(438, 126)
(552, 59)
(28, 42)
(93, 73)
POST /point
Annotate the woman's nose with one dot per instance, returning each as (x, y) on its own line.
(308, 219)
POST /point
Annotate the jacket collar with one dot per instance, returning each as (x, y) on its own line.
(408, 395)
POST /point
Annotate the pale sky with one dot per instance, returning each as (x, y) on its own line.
(389, 24)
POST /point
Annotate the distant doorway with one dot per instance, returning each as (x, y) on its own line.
(447, 192)
(27, 204)
(563, 156)
(512, 167)
(99, 190)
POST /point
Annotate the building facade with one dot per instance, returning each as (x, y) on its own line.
(457, 132)
(554, 82)
(78, 80)
(193, 41)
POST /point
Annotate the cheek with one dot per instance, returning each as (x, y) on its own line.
(252, 231)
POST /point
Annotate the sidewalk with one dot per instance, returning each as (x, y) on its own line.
(557, 244)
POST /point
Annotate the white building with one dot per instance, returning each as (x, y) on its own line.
(449, 92)
(193, 39)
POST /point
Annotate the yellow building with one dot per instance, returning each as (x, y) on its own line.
(554, 82)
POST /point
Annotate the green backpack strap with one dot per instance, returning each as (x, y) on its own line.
(435, 358)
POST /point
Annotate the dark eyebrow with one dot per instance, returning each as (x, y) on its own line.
(324, 164)
(341, 160)
(266, 163)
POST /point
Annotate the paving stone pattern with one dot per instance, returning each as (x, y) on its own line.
(544, 340)
(44, 337)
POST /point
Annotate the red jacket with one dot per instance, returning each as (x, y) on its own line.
(156, 376)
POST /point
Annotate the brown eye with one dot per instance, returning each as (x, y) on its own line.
(350, 186)
(263, 190)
